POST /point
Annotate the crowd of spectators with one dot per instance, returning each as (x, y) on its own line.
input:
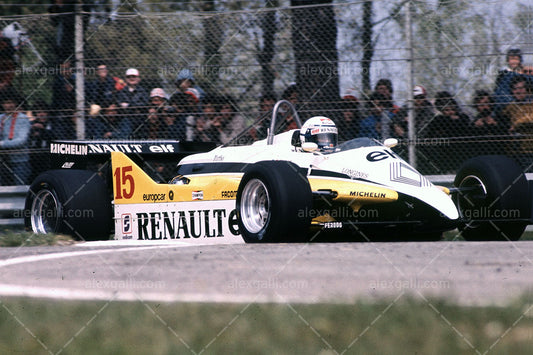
(126, 109)
(133, 112)
(507, 110)
(116, 109)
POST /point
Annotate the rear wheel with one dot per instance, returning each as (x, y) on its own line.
(273, 203)
(494, 199)
(74, 202)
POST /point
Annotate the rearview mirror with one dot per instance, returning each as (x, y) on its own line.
(390, 142)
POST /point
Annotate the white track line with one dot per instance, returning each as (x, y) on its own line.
(51, 256)
(118, 295)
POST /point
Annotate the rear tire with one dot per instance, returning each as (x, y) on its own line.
(495, 190)
(73, 202)
(274, 202)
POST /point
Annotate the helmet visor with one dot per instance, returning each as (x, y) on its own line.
(324, 141)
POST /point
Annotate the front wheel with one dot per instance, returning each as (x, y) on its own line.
(274, 203)
(493, 199)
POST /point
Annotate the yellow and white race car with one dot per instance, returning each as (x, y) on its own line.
(280, 189)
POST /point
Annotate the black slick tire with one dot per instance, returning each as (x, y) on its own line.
(73, 202)
(493, 199)
(274, 203)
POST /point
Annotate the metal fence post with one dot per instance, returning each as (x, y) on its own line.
(80, 74)
(411, 130)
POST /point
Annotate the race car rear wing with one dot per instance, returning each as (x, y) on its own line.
(91, 155)
(67, 154)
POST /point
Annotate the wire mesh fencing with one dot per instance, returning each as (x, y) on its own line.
(203, 71)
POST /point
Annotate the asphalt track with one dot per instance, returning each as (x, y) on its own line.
(464, 272)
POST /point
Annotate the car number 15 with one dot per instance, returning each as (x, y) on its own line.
(124, 182)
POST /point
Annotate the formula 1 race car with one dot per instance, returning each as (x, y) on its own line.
(295, 186)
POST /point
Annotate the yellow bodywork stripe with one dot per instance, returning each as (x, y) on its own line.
(353, 192)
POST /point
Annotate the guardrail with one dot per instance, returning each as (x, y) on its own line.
(12, 204)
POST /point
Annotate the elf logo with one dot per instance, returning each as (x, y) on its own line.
(379, 155)
(126, 223)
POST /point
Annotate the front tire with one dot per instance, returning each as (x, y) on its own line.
(274, 203)
(73, 202)
(494, 199)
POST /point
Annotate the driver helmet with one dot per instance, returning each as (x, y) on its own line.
(320, 130)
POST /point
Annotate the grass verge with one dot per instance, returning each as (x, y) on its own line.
(15, 238)
(407, 326)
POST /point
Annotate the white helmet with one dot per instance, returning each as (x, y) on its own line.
(320, 130)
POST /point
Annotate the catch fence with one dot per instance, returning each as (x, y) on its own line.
(355, 62)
